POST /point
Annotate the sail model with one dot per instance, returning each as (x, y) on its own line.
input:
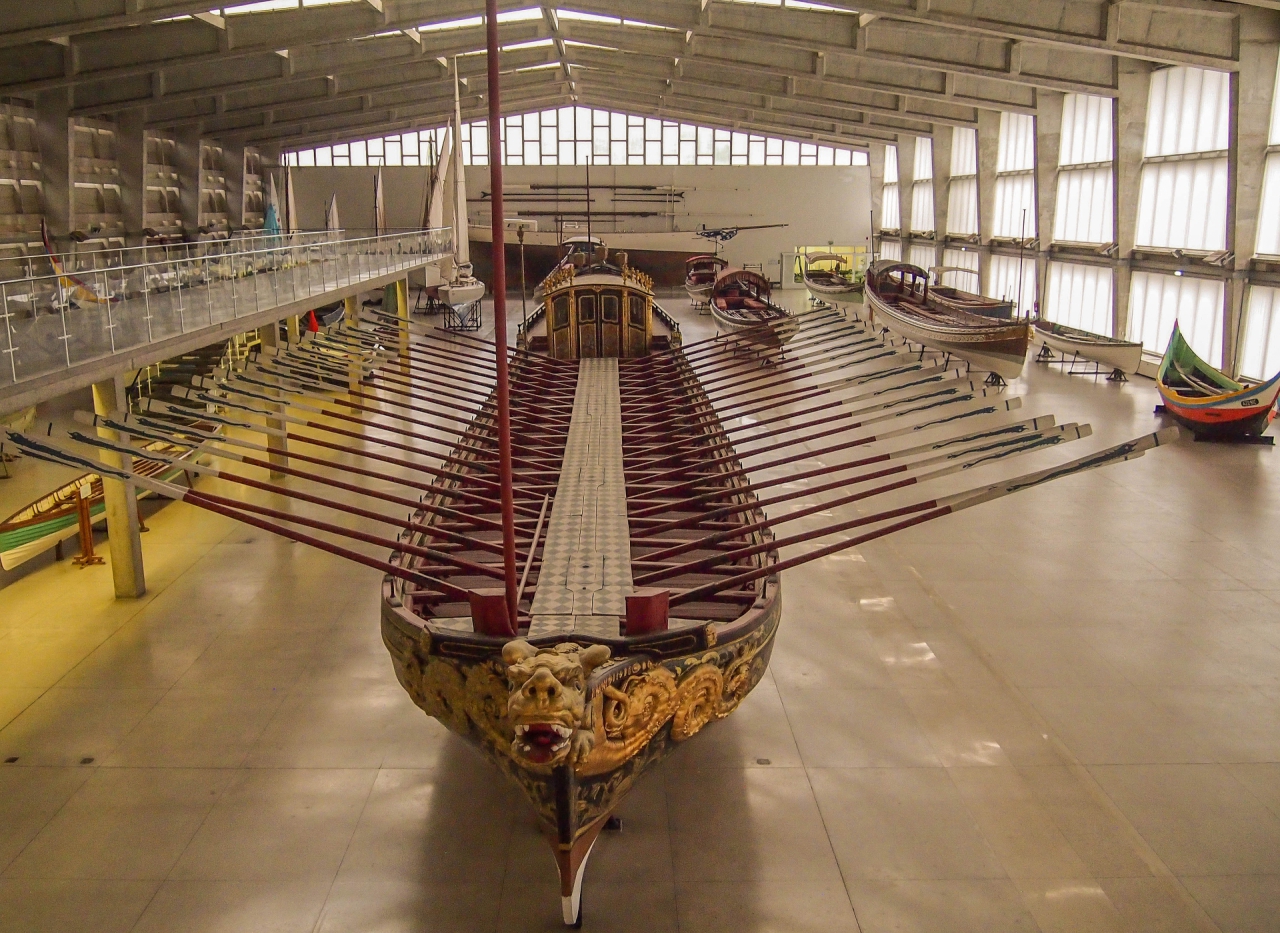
(945, 319)
(1213, 406)
(463, 289)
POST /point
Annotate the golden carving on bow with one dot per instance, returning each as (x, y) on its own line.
(547, 700)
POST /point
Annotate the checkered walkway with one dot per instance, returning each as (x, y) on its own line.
(586, 560)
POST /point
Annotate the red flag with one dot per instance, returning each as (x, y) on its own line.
(312, 324)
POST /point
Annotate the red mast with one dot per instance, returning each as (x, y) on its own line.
(500, 312)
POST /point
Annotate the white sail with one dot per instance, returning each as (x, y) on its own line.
(379, 208)
(461, 246)
(290, 224)
(331, 215)
(435, 212)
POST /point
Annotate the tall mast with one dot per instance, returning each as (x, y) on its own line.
(500, 311)
(588, 200)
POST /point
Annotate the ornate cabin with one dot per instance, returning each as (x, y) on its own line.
(598, 309)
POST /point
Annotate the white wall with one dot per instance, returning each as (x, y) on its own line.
(819, 204)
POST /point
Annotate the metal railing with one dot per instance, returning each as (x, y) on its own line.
(57, 321)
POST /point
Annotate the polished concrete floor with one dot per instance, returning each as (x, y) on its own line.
(1057, 712)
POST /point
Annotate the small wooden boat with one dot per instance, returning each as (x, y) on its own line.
(902, 301)
(700, 274)
(741, 303)
(829, 281)
(54, 518)
(1214, 406)
(1123, 356)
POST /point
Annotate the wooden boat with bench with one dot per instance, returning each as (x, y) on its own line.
(700, 274)
(903, 302)
(827, 280)
(1122, 356)
(742, 304)
(1214, 406)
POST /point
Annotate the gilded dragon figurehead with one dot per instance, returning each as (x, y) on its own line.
(548, 699)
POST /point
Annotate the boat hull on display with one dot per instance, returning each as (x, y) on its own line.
(1213, 406)
(898, 296)
(741, 304)
(1120, 355)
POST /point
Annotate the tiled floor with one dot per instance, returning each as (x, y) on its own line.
(1057, 712)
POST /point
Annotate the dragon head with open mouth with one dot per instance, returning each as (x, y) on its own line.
(548, 699)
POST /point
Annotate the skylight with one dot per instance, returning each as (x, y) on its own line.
(511, 16)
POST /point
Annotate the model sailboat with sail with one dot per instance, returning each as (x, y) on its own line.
(463, 289)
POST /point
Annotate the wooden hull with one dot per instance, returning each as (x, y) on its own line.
(1122, 355)
(1227, 417)
(1205, 400)
(699, 292)
(774, 334)
(676, 687)
(999, 348)
(833, 293)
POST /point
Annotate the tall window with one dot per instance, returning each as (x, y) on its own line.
(922, 256)
(1083, 213)
(1007, 285)
(1016, 178)
(1080, 296)
(961, 259)
(1182, 201)
(922, 220)
(1269, 215)
(891, 249)
(1260, 356)
(891, 214)
(962, 194)
(582, 135)
(1156, 301)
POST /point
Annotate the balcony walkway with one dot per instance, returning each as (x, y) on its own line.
(64, 330)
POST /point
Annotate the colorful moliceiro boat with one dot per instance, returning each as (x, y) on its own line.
(1123, 356)
(902, 301)
(742, 301)
(1213, 406)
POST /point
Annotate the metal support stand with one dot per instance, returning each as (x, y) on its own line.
(466, 318)
(1070, 364)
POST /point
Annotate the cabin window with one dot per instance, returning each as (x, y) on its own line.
(586, 309)
(609, 309)
(635, 310)
(560, 312)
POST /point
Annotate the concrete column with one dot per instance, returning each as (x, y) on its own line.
(56, 140)
(875, 160)
(190, 178)
(123, 538)
(988, 159)
(1252, 89)
(351, 317)
(906, 181)
(234, 157)
(277, 444)
(131, 157)
(942, 139)
(1129, 130)
(1048, 146)
(395, 300)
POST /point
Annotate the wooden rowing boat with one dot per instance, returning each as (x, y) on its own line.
(700, 274)
(742, 304)
(1214, 406)
(831, 283)
(902, 301)
(54, 518)
(1123, 356)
